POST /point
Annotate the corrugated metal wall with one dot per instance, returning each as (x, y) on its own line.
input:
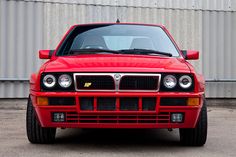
(29, 25)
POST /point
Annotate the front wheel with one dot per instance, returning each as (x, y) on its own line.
(196, 136)
(36, 133)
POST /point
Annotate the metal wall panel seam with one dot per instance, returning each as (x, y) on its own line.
(229, 9)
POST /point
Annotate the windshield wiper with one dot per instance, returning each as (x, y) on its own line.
(124, 51)
(91, 51)
(145, 51)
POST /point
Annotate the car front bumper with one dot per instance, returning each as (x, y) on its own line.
(159, 118)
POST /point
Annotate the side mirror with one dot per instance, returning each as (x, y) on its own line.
(45, 54)
(190, 54)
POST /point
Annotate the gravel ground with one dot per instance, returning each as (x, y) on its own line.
(108, 143)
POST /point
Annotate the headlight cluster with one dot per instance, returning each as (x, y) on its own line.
(65, 81)
(177, 82)
(49, 81)
(170, 81)
(56, 81)
(185, 81)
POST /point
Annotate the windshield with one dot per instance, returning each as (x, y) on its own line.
(118, 37)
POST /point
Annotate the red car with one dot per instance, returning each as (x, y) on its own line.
(117, 75)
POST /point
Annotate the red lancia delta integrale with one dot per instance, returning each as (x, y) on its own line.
(117, 75)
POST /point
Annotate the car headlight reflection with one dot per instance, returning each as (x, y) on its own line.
(49, 81)
(185, 81)
(65, 81)
(170, 81)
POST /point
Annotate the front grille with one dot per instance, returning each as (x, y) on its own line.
(74, 117)
(139, 83)
(95, 82)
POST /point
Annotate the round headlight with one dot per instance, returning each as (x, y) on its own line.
(49, 81)
(169, 81)
(65, 81)
(185, 81)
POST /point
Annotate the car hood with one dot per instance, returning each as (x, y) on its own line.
(116, 63)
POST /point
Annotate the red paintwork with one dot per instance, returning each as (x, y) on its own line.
(117, 63)
(44, 54)
(192, 55)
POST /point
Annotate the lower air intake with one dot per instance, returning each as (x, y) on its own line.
(128, 104)
(74, 117)
(86, 103)
(149, 104)
(106, 104)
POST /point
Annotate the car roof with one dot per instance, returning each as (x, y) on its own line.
(120, 23)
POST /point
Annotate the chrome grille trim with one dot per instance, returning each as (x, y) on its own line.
(116, 81)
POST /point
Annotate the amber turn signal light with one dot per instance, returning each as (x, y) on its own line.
(193, 101)
(42, 101)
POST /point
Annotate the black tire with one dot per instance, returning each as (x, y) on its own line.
(196, 136)
(36, 133)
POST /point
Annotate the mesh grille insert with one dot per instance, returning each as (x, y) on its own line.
(139, 83)
(95, 82)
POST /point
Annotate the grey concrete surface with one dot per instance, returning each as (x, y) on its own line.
(111, 143)
(18, 104)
